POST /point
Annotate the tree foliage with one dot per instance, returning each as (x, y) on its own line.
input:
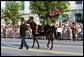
(42, 8)
(12, 12)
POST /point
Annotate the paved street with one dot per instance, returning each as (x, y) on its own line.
(9, 47)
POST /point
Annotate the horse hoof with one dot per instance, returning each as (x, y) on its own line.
(47, 46)
(38, 48)
(50, 48)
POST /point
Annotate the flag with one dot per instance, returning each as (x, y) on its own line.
(58, 11)
(54, 12)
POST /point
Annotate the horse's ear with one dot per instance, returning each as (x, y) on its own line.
(31, 18)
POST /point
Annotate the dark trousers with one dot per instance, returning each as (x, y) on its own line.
(59, 35)
(4, 34)
(73, 36)
(23, 42)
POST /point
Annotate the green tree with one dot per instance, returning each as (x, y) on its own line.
(12, 13)
(42, 8)
(4, 16)
(22, 5)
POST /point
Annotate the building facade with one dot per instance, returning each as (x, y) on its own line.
(76, 10)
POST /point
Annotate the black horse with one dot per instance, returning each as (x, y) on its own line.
(47, 33)
(33, 27)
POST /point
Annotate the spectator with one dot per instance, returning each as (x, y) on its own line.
(74, 30)
(59, 32)
(29, 31)
(4, 32)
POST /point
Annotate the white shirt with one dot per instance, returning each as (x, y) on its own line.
(79, 29)
(59, 29)
(29, 31)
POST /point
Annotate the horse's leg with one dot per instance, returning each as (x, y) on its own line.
(37, 42)
(51, 44)
(33, 42)
(48, 43)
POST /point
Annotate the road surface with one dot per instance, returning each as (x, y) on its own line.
(9, 47)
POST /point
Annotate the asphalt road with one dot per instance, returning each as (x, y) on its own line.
(9, 47)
